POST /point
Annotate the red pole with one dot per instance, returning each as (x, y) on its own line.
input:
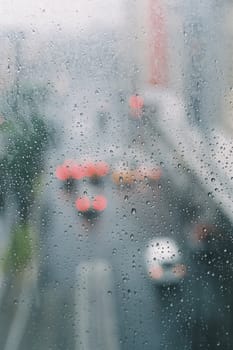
(158, 72)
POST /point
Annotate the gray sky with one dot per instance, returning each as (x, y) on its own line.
(63, 14)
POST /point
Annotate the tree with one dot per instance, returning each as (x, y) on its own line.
(25, 138)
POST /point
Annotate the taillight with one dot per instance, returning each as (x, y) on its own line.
(179, 270)
(83, 204)
(62, 172)
(77, 172)
(69, 170)
(202, 232)
(102, 168)
(95, 169)
(90, 207)
(99, 203)
(156, 272)
(89, 169)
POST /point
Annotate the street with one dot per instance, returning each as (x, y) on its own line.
(93, 288)
(144, 315)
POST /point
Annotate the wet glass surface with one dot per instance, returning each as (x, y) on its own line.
(116, 177)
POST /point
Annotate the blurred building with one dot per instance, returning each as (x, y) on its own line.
(184, 48)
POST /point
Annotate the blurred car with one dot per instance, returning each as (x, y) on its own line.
(164, 261)
(90, 201)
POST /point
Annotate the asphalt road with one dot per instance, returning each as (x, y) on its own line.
(93, 284)
(93, 289)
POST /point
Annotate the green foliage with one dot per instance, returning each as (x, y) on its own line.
(25, 137)
(20, 252)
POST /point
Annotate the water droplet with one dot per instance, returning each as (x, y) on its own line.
(133, 211)
(114, 251)
(126, 198)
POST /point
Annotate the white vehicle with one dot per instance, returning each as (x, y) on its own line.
(164, 261)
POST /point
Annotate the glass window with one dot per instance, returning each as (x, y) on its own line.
(116, 207)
